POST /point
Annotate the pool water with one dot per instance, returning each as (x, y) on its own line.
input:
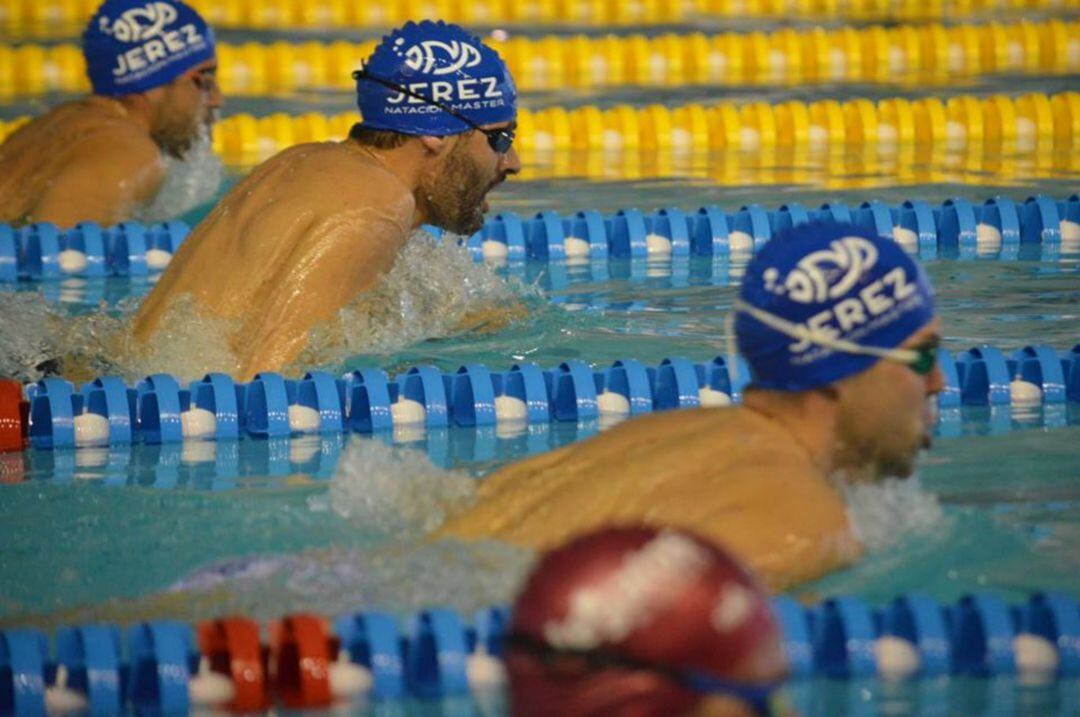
(334, 524)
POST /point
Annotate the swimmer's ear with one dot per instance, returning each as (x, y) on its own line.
(436, 145)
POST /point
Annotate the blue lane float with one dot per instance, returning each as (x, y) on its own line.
(957, 228)
(427, 655)
(158, 409)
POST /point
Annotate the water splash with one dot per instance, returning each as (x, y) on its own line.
(395, 491)
(882, 514)
(433, 290)
(189, 182)
(28, 326)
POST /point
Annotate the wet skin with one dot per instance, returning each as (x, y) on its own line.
(311, 229)
(759, 478)
(101, 158)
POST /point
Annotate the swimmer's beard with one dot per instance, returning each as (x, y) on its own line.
(189, 182)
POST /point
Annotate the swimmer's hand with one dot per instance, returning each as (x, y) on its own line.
(489, 319)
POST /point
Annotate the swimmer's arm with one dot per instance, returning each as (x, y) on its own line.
(327, 271)
(104, 183)
(491, 318)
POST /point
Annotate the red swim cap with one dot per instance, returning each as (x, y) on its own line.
(664, 597)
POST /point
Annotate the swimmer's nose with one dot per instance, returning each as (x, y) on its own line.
(935, 381)
(217, 99)
(511, 162)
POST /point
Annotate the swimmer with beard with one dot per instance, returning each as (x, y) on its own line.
(104, 158)
(315, 226)
(839, 330)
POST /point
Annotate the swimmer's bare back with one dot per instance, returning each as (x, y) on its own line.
(285, 249)
(86, 160)
(728, 473)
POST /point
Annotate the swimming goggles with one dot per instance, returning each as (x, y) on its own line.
(920, 359)
(765, 700)
(500, 140)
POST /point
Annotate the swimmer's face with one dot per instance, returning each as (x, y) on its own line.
(887, 413)
(186, 106)
(456, 194)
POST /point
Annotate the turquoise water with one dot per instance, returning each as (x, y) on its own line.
(332, 524)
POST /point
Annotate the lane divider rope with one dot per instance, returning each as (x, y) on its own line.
(310, 661)
(66, 17)
(54, 413)
(906, 54)
(1038, 228)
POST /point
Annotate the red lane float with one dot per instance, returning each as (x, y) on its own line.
(232, 645)
(13, 416)
(300, 657)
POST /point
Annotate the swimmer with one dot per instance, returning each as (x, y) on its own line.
(101, 158)
(643, 622)
(315, 226)
(839, 330)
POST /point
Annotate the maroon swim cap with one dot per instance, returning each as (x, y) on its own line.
(663, 597)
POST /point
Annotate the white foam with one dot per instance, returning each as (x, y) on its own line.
(347, 679)
(987, 239)
(575, 248)
(157, 259)
(609, 403)
(72, 261)
(304, 419)
(484, 672)
(494, 251)
(897, 659)
(883, 513)
(656, 244)
(198, 423)
(508, 408)
(91, 429)
(711, 398)
(1036, 659)
(189, 182)
(209, 688)
(394, 490)
(907, 238)
(1025, 393)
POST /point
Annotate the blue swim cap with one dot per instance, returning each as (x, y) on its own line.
(827, 283)
(441, 63)
(136, 45)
